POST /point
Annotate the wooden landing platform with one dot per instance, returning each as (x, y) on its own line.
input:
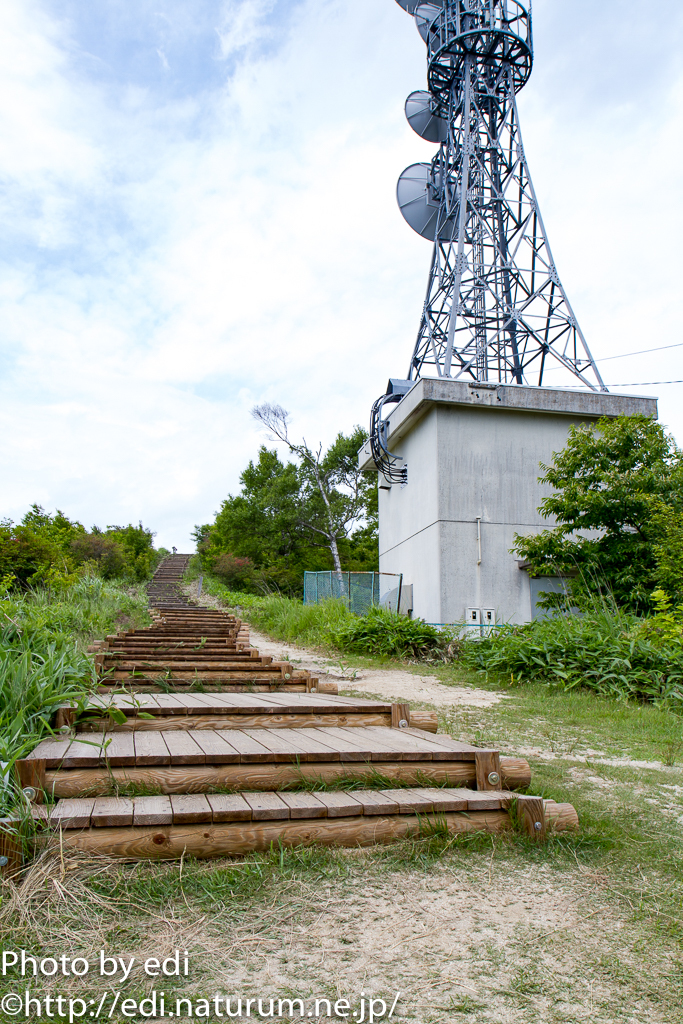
(147, 711)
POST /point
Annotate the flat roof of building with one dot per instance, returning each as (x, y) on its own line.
(430, 391)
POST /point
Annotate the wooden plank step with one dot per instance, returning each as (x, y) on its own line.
(230, 710)
(151, 685)
(374, 744)
(164, 705)
(101, 812)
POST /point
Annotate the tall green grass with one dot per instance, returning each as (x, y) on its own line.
(330, 624)
(611, 652)
(42, 659)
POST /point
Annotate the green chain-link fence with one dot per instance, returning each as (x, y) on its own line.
(360, 590)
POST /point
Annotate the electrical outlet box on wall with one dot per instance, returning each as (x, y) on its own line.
(473, 617)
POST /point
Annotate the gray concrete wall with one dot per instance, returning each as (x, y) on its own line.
(471, 452)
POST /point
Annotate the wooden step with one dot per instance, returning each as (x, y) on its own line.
(203, 663)
(373, 743)
(233, 824)
(237, 711)
(220, 685)
(102, 812)
(202, 760)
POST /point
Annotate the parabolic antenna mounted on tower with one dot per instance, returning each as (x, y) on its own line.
(495, 309)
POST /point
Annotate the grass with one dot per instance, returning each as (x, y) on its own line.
(329, 625)
(43, 662)
(613, 653)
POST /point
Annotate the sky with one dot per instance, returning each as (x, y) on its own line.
(198, 214)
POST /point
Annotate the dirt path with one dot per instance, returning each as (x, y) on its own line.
(393, 683)
(494, 934)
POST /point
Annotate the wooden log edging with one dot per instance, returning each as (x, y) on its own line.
(11, 846)
(234, 839)
(515, 774)
(171, 842)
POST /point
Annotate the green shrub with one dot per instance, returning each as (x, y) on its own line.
(236, 573)
(607, 651)
(101, 552)
(52, 550)
(24, 553)
(385, 633)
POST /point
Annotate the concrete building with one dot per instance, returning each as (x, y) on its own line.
(473, 452)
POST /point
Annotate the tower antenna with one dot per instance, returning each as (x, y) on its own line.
(495, 309)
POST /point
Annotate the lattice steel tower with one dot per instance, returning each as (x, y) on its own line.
(495, 308)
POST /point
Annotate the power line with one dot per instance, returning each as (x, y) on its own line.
(631, 384)
(644, 383)
(625, 355)
(644, 352)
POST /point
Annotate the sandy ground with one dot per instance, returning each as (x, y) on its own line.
(477, 939)
(396, 684)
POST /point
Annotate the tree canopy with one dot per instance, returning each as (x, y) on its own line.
(618, 506)
(291, 516)
(46, 547)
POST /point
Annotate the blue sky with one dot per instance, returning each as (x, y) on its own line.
(198, 214)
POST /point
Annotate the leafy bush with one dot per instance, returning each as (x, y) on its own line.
(610, 652)
(386, 633)
(236, 573)
(100, 551)
(24, 553)
(53, 550)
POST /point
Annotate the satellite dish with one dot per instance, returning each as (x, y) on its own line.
(422, 118)
(408, 5)
(425, 13)
(418, 207)
(414, 202)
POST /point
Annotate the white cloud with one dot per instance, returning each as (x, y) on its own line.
(243, 24)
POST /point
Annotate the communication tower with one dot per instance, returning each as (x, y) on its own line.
(495, 309)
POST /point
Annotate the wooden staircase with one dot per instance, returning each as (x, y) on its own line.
(196, 744)
(195, 649)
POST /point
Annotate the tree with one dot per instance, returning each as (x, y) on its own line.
(44, 544)
(137, 544)
(335, 492)
(261, 524)
(618, 503)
